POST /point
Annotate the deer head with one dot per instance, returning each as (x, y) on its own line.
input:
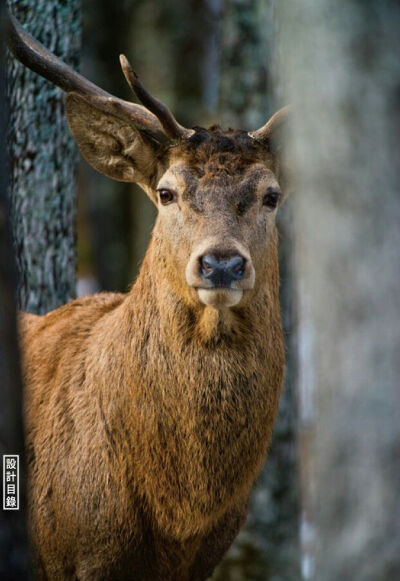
(217, 191)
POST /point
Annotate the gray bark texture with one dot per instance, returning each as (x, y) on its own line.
(43, 161)
(14, 552)
(341, 61)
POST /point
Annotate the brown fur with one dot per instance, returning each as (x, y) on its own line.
(148, 415)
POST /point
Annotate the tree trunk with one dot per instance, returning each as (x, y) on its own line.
(43, 159)
(14, 553)
(342, 67)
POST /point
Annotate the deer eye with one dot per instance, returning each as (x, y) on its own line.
(166, 196)
(271, 199)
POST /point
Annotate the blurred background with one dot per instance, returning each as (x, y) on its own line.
(327, 504)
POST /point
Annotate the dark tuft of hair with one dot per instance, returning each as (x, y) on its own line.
(217, 149)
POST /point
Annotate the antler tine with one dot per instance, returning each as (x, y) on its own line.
(171, 126)
(34, 55)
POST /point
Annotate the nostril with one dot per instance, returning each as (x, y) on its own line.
(236, 266)
(208, 264)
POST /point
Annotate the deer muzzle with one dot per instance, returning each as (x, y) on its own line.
(220, 275)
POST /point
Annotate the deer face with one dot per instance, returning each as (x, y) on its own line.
(217, 192)
(217, 202)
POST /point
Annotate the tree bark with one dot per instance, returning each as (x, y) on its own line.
(43, 161)
(343, 76)
(14, 551)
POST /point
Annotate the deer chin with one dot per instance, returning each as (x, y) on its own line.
(220, 297)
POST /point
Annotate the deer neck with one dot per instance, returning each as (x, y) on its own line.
(208, 393)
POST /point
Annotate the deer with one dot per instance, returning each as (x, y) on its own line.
(148, 414)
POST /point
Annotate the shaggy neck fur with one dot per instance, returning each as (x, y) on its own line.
(206, 388)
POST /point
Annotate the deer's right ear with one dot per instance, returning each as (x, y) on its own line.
(112, 141)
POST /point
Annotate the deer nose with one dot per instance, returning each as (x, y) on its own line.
(222, 271)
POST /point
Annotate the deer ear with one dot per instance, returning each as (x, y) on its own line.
(111, 141)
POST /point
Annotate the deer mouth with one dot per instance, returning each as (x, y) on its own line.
(220, 297)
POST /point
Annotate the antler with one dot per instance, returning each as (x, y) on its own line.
(172, 127)
(273, 124)
(35, 56)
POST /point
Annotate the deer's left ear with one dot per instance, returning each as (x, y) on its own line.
(271, 132)
(271, 135)
(114, 143)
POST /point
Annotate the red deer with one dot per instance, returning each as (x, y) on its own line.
(148, 414)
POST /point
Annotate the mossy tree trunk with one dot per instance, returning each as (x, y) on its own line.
(43, 161)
